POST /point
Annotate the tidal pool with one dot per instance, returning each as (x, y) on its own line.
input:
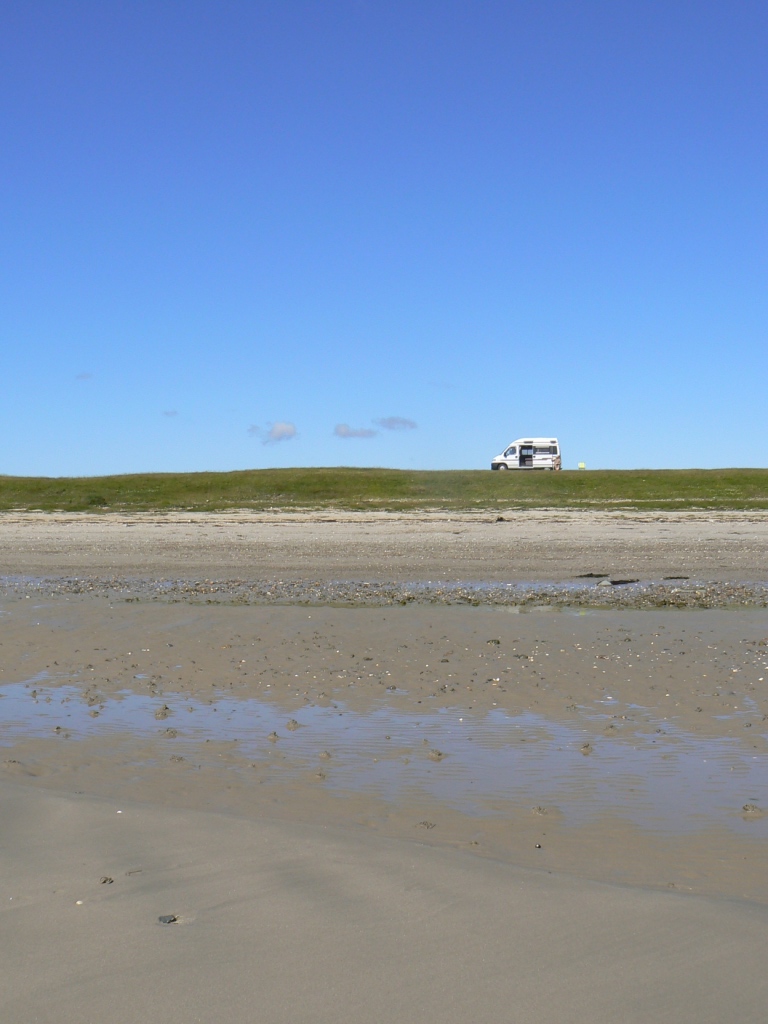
(479, 764)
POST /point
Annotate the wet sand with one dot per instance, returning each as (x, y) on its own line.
(621, 746)
(282, 922)
(398, 812)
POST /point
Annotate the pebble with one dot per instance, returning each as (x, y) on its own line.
(624, 593)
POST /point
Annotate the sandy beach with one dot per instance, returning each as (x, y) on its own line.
(400, 811)
(509, 546)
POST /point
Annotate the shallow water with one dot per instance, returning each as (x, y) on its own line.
(670, 783)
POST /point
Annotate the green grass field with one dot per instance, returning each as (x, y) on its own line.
(390, 489)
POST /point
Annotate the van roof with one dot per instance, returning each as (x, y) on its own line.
(534, 440)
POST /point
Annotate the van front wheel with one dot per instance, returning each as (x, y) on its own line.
(503, 465)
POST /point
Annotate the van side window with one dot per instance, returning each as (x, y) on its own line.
(510, 452)
(553, 449)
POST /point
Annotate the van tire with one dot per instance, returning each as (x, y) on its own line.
(502, 465)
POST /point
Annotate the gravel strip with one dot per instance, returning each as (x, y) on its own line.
(603, 593)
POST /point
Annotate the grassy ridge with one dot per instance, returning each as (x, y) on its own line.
(391, 489)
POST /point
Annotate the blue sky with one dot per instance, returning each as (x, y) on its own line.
(245, 234)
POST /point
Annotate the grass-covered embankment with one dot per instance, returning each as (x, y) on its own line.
(390, 489)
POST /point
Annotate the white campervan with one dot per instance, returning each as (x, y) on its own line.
(530, 453)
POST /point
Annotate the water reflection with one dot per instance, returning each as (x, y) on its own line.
(477, 764)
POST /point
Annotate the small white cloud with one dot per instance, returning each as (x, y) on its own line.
(344, 430)
(396, 423)
(274, 432)
(281, 432)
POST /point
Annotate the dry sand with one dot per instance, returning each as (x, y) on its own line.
(538, 545)
(402, 813)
